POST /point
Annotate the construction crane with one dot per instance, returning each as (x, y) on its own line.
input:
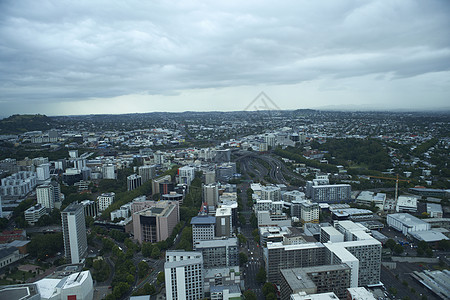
(396, 184)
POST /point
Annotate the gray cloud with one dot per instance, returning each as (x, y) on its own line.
(77, 50)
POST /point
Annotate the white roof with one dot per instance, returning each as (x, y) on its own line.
(428, 236)
(47, 287)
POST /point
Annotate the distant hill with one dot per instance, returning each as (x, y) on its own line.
(23, 123)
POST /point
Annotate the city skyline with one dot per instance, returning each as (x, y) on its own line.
(66, 58)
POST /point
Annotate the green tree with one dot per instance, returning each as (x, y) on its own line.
(156, 253)
(249, 295)
(44, 245)
(253, 221)
(398, 249)
(261, 275)
(160, 278)
(242, 258)
(271, 296)
(142, 269)
(268, 288)
(390, 243)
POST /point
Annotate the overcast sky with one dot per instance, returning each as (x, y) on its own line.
(82, 57)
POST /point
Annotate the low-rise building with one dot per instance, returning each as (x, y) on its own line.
(34, 213)
(406, 223)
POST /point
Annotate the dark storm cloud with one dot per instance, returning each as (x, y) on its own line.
(74, 50)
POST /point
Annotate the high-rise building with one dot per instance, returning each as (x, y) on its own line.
(43, 172)
(203, 228)
(74, 232)
(90, 208)
(156, 184)
(109, 171)
(56, 191)
(157, 222)
(224, 222)
(317, 279)
(219, 253)
(211, 194)
(147, 172)
(46, 196)
(184, 276)
(271, 192)
(133, 182)
(279, 256)
(330, 193)
(186, 174)
(105, 200)
(210, 176)
(34, 213)
(79, 163)
(305, 210)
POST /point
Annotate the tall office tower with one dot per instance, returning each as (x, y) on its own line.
(224, 222)
(133, 182)
(43, 172)
(279, 256)
(90, 208)
(147, 172)
(109, 171)
(211, 194)
(184, 276)
(219, 253)
(105, 200)
(203, 228)
(271, 192)
(46, 196)
(210, 176)
(74, 232)
(186, 174)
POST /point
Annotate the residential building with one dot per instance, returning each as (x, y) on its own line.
(224, 222)
(186, 174)
(203, 228)
(211, 194)
(156, 182)
(317, 279)
(265, 218)
(43, 172)
(105, 200)
(34, 213)
(278, 256)
(133, 182)
(74, 232)
(270, 192)
(109, 171)
(219, 253)
(90, 208)
(184, 276)
(156, 223)
(18, 184)
(305, 210)
(359, 293)
(46, 195)
(330, 234)
(331, 193)
(147, 172)
(322, 296)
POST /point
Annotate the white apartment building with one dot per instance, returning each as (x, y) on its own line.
(43, 172)
(203, 228)
(184, 275)
(74, 232)
(186, 174)
(46, 196)
(105, 200)
(270, 192)
(406, 204)
(34, 213)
